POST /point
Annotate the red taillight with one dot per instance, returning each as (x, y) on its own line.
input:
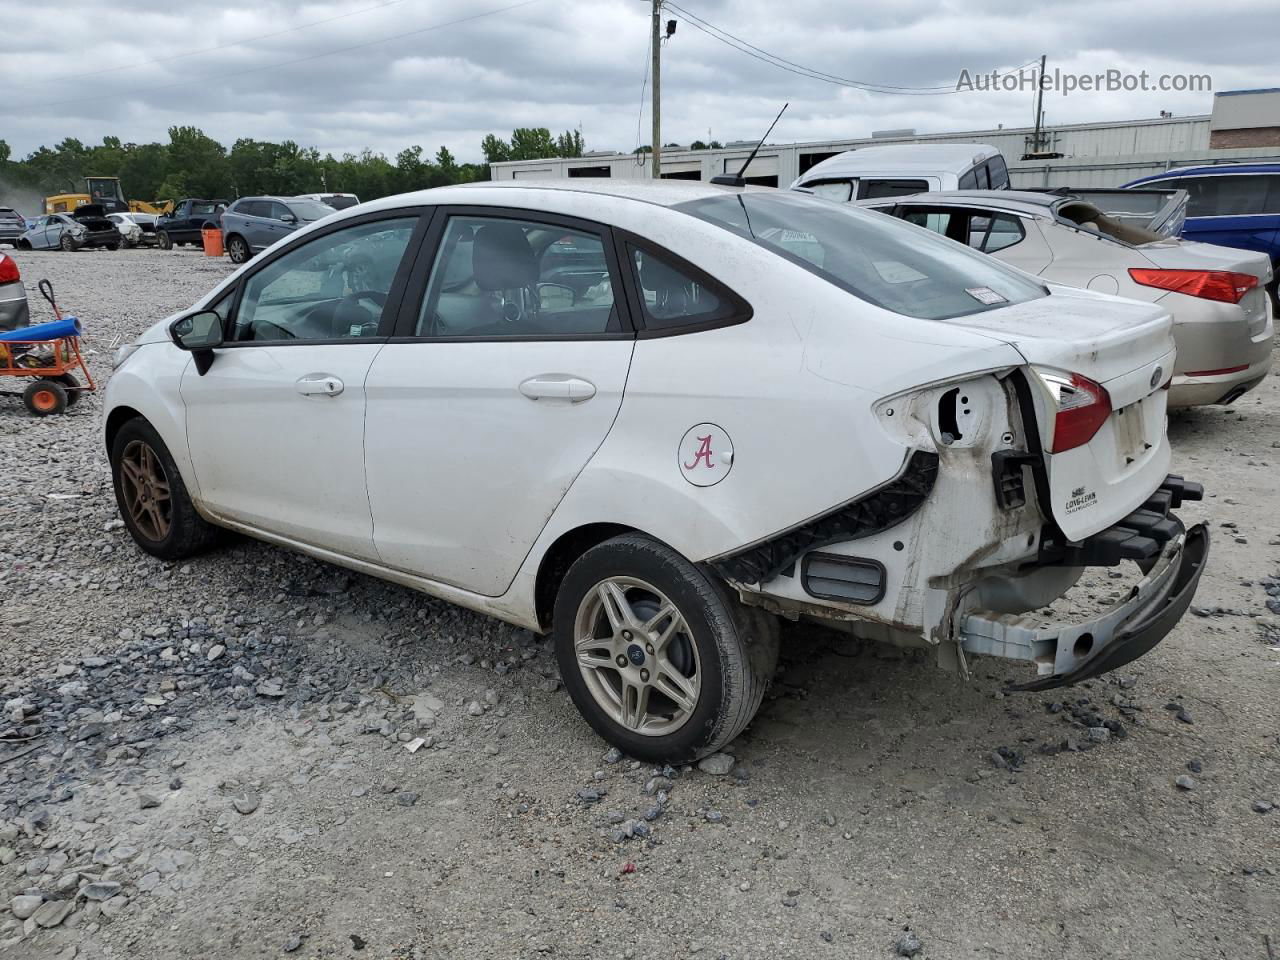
(8, 269)
(1083, 407)
(1220, 285)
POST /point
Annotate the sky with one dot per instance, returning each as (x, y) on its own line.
(344, 75)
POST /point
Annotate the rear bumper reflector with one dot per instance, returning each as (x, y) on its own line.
(1217, 373)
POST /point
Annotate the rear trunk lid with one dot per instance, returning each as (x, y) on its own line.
(1189, 255)
(1126, 347)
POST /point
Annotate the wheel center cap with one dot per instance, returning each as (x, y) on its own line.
(635, 653)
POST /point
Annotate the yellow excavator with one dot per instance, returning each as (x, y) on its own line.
(106, 191)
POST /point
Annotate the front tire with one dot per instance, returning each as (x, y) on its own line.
(153, 500)
(165, 241)
(657, 654)
(66, 243)
(237, 249)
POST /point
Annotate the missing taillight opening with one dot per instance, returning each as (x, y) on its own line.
(1222, 285)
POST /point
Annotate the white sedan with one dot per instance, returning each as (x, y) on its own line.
(652, 418)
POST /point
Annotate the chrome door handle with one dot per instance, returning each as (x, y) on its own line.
(320, 384)
(553, 387)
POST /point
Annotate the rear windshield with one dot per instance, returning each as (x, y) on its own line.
(881, 260)
(309, 209)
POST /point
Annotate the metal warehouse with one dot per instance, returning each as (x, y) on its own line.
(1241, 126)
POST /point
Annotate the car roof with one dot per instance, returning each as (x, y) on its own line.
(666, 193)
(1023, 201)
(1212, 168)
(904, 158)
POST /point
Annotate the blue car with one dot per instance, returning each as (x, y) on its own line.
(1231, 204)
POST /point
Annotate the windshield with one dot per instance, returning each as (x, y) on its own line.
(881, 260)
(341, 203)
(309, 209)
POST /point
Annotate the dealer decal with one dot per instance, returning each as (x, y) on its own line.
(1080, 500)
(705, 455)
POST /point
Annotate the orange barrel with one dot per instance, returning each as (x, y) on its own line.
(212, 238)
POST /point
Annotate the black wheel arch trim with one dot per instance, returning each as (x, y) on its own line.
(864, 516)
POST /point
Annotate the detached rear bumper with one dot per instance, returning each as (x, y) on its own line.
(1069, 653)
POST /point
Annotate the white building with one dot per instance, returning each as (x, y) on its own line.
(1088, 154)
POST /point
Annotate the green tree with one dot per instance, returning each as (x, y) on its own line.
(569, 144)
(495, 149)
(5, 152)
(198, 164)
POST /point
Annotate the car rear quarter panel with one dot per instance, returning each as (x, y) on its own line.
(794, 388)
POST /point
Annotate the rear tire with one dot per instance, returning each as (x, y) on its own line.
(45, 398)
(165, 241)
(152, 499)
(618, 664)
(237, 249)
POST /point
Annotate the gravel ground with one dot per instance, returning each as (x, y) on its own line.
(256, 755)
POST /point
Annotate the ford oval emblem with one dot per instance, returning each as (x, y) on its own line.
(1156, 375)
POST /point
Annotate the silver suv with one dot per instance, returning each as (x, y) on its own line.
(252, 224)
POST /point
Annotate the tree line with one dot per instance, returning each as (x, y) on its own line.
(193, 164)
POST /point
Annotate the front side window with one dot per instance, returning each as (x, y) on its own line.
(498, 277)
(832, 189)
(876, 189)
(306, 210)
(331, 288)
(877, 258)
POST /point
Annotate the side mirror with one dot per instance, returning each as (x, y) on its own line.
(197, 331)
(288, 218)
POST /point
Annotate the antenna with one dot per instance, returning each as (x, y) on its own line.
(736, 180)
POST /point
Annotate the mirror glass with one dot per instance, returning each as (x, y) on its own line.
(198, 331)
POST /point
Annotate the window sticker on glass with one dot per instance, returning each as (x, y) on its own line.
(895, 271)
(985, 295)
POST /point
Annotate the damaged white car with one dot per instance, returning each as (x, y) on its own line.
(653, 418)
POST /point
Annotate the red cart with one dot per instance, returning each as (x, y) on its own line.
(49, 362)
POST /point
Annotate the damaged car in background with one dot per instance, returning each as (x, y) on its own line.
(84, 228)
(1222, 318)
(652, 419)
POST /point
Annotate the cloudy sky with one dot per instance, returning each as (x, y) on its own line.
(347, 74)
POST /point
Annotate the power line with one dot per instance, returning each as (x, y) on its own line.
(742, 46)
(191, 53)
(285, 63)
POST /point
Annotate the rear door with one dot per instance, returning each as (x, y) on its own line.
(505, 377)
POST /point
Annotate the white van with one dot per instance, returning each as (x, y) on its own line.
(901, 169)
(339, 201)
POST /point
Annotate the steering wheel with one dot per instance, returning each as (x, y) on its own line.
(351, 301)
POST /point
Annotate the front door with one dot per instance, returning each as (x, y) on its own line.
(276, 424)
(508, 380)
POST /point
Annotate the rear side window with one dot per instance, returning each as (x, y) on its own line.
(992, 233)
(876, 189)
(250, 208)
(968, 180)
(984, 181)
(1238, 195)
(672, 297)
(999, 173)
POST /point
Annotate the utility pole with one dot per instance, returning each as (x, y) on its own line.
(1036, 148)
(657, 90)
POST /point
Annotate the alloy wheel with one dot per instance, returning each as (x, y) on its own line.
(146, 491)
(635, 653)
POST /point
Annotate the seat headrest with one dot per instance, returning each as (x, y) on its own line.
(501, 258)
(657, 276)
